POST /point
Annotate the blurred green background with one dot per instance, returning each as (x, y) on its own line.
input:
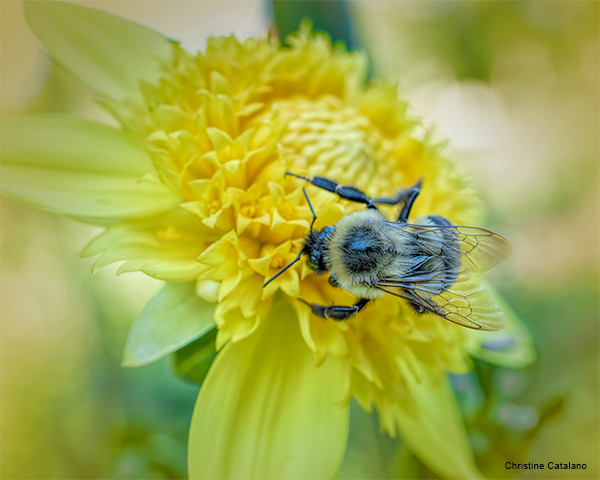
(512, 85)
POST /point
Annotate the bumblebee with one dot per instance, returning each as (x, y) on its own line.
(428, 264)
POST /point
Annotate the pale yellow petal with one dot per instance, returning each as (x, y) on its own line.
(79, 168)
(108, 53)
(265, 410)
(164, 247)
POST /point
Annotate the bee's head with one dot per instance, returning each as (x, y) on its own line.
(316, 248)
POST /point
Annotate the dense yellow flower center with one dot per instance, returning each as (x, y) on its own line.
(334, 140)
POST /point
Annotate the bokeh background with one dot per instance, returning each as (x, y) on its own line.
(513, 87)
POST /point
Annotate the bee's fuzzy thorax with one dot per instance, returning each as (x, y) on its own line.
(362, 252)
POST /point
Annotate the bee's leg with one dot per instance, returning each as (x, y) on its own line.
(408, 196)
(337, 312)
(347, 192)
(333, 281)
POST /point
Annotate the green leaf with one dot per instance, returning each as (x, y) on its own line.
(82, 169)
(108, 53)
(434, 429)
(511, 347)
(266, 411)
(171, 320)
(194, 360)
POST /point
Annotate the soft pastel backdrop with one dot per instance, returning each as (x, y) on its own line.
(513, 86)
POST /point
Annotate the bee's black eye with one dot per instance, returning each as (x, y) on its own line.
(316, 255)
(317, 250)
(317, 263)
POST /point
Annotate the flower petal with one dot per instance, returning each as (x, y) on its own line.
(434, 429)
(172, 319)
(108, 53)
(163, 246)
(511, 347)
(79, 168)
(266, 411)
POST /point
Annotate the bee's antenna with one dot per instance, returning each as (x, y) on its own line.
(297, 176)
(311, 209)
(284, 268)
(311, 228)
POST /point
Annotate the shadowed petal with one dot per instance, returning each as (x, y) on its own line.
(172, 319)
(434, 429)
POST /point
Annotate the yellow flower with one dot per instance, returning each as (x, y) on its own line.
(191, 189)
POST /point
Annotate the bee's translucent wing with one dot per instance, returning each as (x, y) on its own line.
(480, 249)
(461, 302)
(437, 278)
